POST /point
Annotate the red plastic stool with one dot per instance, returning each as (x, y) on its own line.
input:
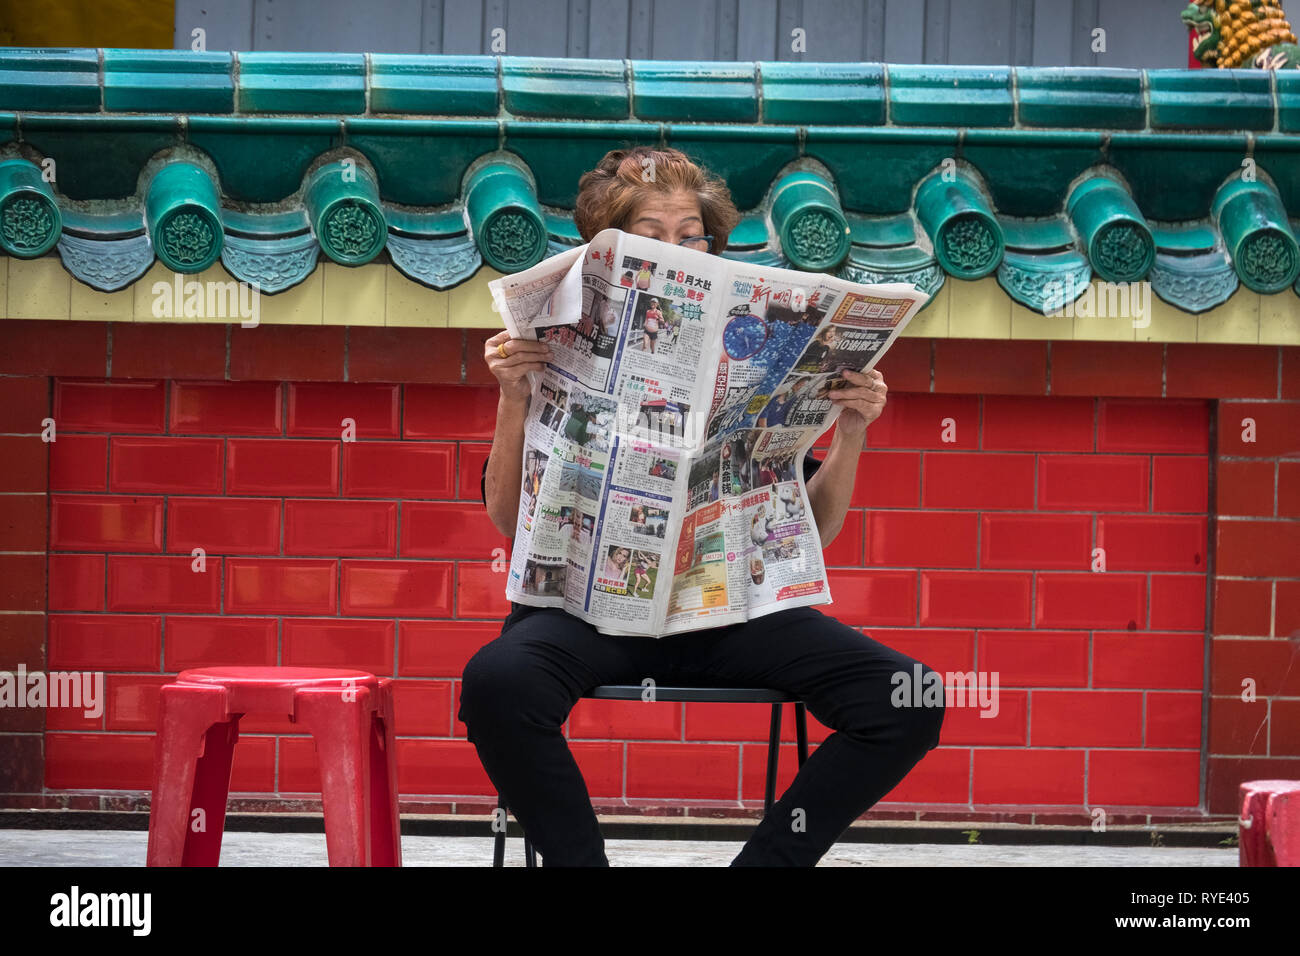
(348, 713)
(1269, 823)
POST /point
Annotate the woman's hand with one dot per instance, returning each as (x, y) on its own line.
(521, 357)
(862, 401)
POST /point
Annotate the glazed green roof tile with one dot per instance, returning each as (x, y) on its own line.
(565, 89)
(347, 218)
(1173, 176)
(181, 81)
(950, 95)
(99, 156)
(1117, 241)
(954, 211)
(1279, 155)
(285, 223)
(302, 83)
(750, 233)
(1013, 142)
(1059, 96)
(1059, 157)
(748, 158)
(877, 168)
(37, 79)
(892, 259)
(823, 93)
(263, 161)
(126, 222)
(183, 212)
(420, 162)
(1288, 102)
(1188, 240)
(809, 224)
(912, 264)
(1256, 231)
(882, 231)
(1210, 99)
(438, 86)
(501, 205)
(1194, 283)
(559, 152)
(562, 228)
(695, 92)
(448, 222)
(30, 220)
(1035, 234)
(1044, 282)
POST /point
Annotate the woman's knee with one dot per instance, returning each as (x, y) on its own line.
(493, 684)
(919, 698)
(503, 683)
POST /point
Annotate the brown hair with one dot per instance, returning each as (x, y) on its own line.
(611, 193)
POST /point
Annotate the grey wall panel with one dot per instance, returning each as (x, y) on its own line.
(431, 27)
(311, 26)
(536, 27)
(607, 33)
(1052, 32)
(756, 30)
(1153, 37)
(639, 26)
(462, 27)
(727, 29)
(578, 22)
(1139, 33)
(979, 31)
(227, 26)
(836, 30)
(904, 31)
(494, 21)
(992, 32)
(1022, 33)
(1083, 19)
(789, 16)
(938, 15)
(873, 32)
(683, 30)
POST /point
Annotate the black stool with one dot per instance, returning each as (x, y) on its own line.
(711, 695)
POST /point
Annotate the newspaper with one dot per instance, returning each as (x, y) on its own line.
(663, 488)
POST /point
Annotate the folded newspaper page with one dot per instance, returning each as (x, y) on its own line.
(663, 488)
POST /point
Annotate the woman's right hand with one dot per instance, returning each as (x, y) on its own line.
(522, 356)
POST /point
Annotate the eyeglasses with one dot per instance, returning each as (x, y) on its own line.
(698, 243)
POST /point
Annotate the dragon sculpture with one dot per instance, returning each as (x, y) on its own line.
(1242, 33)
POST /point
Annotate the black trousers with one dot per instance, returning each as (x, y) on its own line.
(518, 690)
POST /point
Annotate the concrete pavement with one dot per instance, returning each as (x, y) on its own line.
(20, 847)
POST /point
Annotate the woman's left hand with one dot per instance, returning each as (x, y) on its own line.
(862, 401)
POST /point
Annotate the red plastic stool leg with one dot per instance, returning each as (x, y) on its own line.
(339, 722)
(211, 790)
(1252, 844)
(192, 757)
(1284, 825)
(1269, 825)
(385, 824)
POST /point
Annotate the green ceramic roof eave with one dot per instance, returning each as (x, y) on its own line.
(1044, 177)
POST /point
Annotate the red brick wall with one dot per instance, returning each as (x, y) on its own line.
(972, 554)
(24, 402)
(1256, 624)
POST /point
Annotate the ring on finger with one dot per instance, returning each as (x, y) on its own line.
(501, 350)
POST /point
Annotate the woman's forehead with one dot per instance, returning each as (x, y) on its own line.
(668, 208)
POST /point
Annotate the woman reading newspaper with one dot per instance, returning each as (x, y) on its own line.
(518, 689)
